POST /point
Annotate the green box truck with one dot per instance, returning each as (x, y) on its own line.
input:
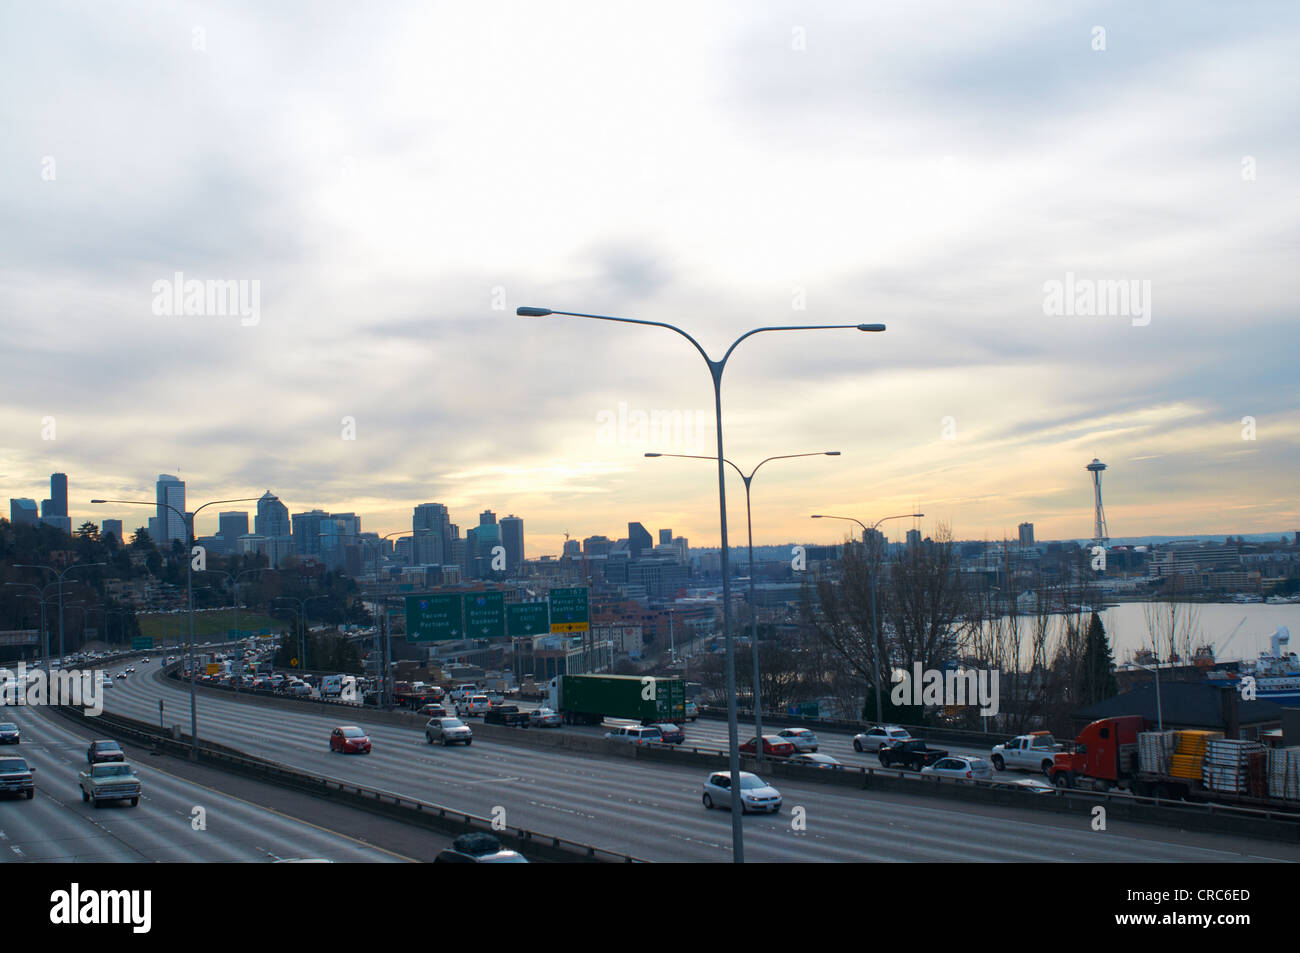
(589, 699)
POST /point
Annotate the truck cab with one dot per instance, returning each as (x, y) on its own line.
(1106, 753)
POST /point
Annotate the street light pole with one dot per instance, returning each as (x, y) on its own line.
(716, 369)
(188, 520)
(875, 630)
(753, 605)
(59, 576)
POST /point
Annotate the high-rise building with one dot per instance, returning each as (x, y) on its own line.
(59, 493)
(665, 537)
(111, 526)
(1026, 534)
(272, 520)
(512, 538)
(432, 529)
(597, 546)
(171, 524)
(572, 547)
(307, 530)
(47, 508)
(638, 539)
(914, 537)
(487, 518)
(231, 525)
(23, 512)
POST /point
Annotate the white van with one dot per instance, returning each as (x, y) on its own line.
(331, 686)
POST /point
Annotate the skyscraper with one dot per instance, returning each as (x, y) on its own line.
(171, 493)
(1026, 534)
(913, 537)
(59, 493)
(431, 526)
(638, 539)
(111, 526)
(306, 532)
(272, 518)
(22, 511)
(512, 538)
(231, 525)
(665, 537)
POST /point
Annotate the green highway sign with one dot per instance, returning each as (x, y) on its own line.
(144, 642)
(485, 615)
(435, 617)
(527, 618)
(569, 611)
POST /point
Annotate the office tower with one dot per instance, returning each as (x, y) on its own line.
(171, 504)
(23, 512)
(432, 529)
(512, 538)
(638, 539)
(307, 530)
(272, 520)
(597, 545)
(231, 525)
(914, 537)
(155, 529)
(1026, 534)
(59, 493)
(111, 526)
(572, 547)
(47, 508)
(487, 518)
(665, 537)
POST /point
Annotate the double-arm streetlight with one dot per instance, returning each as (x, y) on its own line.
(875, 631)
(716, 369)
(188, 520)
(59, 576)
(383, 636)
(753, 607)
(234, 585)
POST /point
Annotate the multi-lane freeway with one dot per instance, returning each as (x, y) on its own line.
(57, 826)
(654, 810)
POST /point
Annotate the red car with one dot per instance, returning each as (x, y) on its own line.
(773, 745)
(349, 738)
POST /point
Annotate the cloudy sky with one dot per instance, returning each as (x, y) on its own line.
(397, 178)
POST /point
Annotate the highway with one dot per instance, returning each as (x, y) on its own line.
(56, 826)
(654, 811)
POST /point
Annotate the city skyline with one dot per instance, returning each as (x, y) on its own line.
(209, 524)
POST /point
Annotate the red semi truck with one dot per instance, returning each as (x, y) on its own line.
(1105, 756)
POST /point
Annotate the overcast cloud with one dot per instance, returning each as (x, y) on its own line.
(400, 177)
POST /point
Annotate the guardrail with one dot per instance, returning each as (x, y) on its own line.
(1227, 818)
(388, 803)
(931, 732)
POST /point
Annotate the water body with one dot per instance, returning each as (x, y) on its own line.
(1126, 625)
(1128, 631)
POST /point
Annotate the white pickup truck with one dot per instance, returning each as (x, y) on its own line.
(1035, 751)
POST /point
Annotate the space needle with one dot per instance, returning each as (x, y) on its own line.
(1099, 536)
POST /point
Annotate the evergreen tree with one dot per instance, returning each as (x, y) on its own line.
(1098, 665)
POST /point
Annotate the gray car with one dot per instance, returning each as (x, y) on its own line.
(448, 731)
(16, 777)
